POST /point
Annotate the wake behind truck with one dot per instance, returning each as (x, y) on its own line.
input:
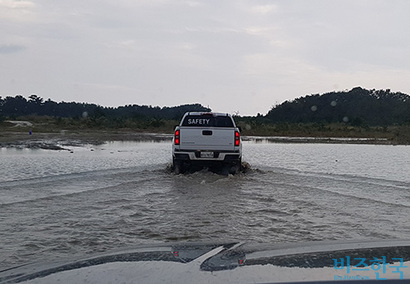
(207, 139)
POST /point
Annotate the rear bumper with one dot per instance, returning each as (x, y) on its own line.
(218, 156)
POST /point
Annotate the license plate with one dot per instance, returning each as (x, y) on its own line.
(207, 154)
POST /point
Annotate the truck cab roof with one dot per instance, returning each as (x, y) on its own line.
(208, 113)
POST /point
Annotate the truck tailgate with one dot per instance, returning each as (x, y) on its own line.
(200, 138)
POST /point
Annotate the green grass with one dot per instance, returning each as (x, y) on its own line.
(394, 134)
(105, 127)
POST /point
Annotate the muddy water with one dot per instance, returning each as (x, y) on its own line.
(96, 198)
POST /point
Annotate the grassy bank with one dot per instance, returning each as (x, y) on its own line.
(392, 134)
(100, 129)
(84, 129)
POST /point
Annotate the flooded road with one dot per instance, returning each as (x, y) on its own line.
(120, 194)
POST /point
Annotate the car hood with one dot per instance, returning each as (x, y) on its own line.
(229, 262)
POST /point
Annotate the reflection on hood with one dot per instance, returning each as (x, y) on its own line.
(326, 261)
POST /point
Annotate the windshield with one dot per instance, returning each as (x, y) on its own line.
(208, 120)
(296, 138)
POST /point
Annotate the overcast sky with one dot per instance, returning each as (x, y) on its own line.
(234, 56)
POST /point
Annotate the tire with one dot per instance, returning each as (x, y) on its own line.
(232, 168)
(236, 168)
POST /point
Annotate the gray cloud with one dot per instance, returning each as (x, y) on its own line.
(11, 48)
(231, 55)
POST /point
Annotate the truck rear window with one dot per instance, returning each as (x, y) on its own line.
(207, 120)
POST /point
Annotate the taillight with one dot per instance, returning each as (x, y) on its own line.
(237, 138)
(176, 137)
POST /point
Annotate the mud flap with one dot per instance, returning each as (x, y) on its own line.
(177, 166)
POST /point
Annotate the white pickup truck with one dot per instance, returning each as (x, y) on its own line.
(207, 139)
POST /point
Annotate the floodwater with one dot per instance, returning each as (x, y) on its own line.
(64, 204)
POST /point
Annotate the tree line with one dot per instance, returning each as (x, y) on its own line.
(13, 107)
(357, 107)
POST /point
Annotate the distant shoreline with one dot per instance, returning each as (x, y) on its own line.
(91, 131)
(319, 140)
(65, 139)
